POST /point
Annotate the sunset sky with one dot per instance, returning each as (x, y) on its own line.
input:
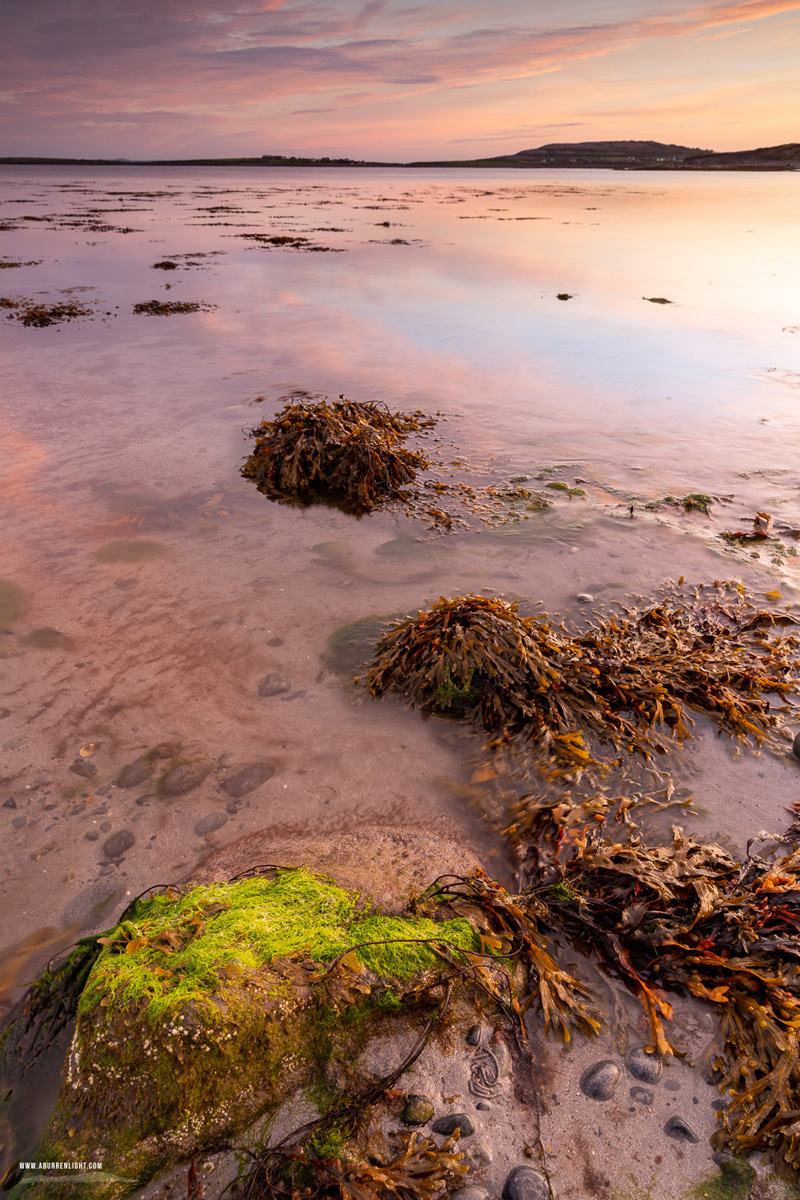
(392, 79)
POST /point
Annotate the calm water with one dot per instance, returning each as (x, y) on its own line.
(129, 428)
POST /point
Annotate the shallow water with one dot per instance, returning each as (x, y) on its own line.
(155, 588)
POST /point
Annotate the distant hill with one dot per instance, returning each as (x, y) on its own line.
(607, 154)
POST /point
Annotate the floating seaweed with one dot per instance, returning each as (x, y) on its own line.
(165, 308)
(627, 682)
(349, 452)
(41, 315)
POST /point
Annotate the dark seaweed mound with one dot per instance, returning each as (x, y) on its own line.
(346, 452)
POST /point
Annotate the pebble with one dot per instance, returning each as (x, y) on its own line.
(135, 773)
(10, 803)
(473, 1039)
(185, 778)
(642, 1094)
(796, 745)
(274, 685)
(480, 1155)
(680, 1130)
(526, 1183)
(118, 843)
(585, 597)
(483, 1106)
(599, 1082)
(210, 823)
(645, 1067)
(672, 1085)
(92, 835)
(84, 768)
(470, 1193)
(18, 822)
(247, 779)
(418, 1110)
(451, 1123)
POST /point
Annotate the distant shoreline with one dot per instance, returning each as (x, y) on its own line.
(782, 158)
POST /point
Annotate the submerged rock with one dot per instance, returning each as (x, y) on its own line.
(600, 1081)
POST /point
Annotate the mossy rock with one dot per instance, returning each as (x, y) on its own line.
(204, 1012)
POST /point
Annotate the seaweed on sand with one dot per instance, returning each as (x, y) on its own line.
(39, 316)
(690, 916)
(165, 308)
(627, 682)
(346, 451)
(419, 1170)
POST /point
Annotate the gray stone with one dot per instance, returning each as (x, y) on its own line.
(84, 768)
(643, 1066)
(210, 823)
(418, 1110)
(473, 1039)
(135, 773)
(483, 1106)
(274, 685)
(18, 822)
(585, 597)
(451, 1123)
(185, 778)
(672, 1085)
(118, 843)
(680, 1130)
(599, 1082)
(480, 1155)
(247, 779)
(643, 1095)
(10, 803)
(526, 1183)
(796, 745)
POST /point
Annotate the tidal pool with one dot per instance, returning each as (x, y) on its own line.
(149, 590)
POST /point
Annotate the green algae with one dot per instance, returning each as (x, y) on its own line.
(734, 1182)
(178, 952)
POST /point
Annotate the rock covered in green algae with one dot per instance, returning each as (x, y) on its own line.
(205, 1011)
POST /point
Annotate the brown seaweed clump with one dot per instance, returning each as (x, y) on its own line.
(165, 308)
(39, 316)
(627, 682)
(348, 452)
(688, 916)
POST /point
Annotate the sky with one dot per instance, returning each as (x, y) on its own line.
(392, 79)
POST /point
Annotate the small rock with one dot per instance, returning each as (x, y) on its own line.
(4, 712)
(526, 1183)
(672, 1085)
(643, 1066)
(585, 597)
(185, 778)
(274, 685)
(135, 773)
(10, 803)
(18, 822)
(118, 843)
(483, 1106)
(796, 745)
(247, 779)
(92, 835)
(210, 823)
(680, 1130)
(84, 768)
(451, 1123)
(473, 1039)
(470, 1193)
(643, 1095)
(418, 1111)
(480, 1155)
(599, 1082)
